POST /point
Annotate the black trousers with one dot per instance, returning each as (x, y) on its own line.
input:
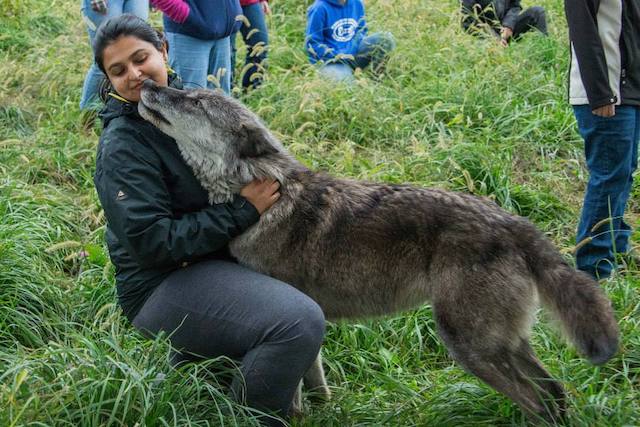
(219, 308)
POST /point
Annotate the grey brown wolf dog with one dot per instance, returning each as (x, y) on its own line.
(364, 249)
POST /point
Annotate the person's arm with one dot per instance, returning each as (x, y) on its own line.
(137, 206)
(315, 42)
(511, 15)
(176, 10)
(265, 7)
(362, 29)
(587, 45)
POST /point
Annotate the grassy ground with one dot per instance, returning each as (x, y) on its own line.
(452, 111)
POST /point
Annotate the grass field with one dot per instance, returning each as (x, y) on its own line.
(452, 111)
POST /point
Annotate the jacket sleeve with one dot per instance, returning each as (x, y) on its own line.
(511, 14)
(176, 10)
(363, 28)
(315, 43)
(587, 45)
(137, 207)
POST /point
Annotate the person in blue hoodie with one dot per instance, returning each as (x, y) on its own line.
(337, 40)
(198, 32)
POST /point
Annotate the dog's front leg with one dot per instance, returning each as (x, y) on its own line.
(315, 381)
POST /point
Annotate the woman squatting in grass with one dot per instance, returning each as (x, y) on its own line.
(169, 245)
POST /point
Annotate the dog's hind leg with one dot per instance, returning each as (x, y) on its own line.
(315, 381)
(485, 332)
(512, 370)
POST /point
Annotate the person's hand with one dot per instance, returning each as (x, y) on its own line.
(605, 111)
(505, 35)
(262, 194)
(99, 6)
(265, 7)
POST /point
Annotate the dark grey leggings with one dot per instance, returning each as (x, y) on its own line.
(218, 308)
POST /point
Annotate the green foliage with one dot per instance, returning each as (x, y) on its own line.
(451, 111)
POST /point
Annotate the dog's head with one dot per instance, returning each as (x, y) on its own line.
(206, 120)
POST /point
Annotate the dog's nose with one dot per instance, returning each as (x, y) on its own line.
(149, 84)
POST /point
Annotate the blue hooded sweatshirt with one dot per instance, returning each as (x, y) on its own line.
(334, 28)
(208, 19)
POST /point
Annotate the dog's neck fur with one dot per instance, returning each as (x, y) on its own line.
(222, 181)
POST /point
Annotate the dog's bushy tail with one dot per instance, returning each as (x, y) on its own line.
(578, 302)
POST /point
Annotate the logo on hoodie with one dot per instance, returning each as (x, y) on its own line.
(344, 29)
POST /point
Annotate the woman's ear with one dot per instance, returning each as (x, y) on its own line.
(165, 51)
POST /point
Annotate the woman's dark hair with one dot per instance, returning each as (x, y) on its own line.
(124, 25)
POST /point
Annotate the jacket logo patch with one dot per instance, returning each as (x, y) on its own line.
(120, 195)
(344, 29)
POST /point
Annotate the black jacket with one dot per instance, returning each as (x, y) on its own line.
(158, 215)
(488, 11)
(605, 52)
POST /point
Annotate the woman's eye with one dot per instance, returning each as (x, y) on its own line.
(140, 59)
(117, 71)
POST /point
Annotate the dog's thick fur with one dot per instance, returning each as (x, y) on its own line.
(363, 249)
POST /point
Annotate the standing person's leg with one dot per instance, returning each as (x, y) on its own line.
(532, 18)
(89, 100)
(218, 308)
(256, 37)
(233, 48)
(189, 57)
(374, 50)
(220, 65)
(622, 237)
(609, 152)
(140, 8)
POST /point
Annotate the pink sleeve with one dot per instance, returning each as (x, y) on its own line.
(176, 10)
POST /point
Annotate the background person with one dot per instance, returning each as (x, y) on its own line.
(604, 89)
(198, 32)
(256, 38)
(169, 245)
(336, 38)
(502, 18)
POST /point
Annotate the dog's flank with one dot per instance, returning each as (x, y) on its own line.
(365, 249)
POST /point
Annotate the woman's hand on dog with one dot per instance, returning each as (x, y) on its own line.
(261, 193)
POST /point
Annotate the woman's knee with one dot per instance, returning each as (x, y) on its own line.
(308, 323)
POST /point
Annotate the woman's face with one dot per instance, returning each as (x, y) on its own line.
(129, 61)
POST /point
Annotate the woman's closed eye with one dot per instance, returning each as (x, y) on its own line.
(140, 59)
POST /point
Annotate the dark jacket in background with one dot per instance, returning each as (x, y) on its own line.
(605, 52)
(208, 19)
(158, 214)
(497, 13)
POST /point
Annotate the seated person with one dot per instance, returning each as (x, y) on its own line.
(502, 18)
(336, 38)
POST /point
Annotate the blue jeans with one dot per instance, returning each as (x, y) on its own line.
(611, 151)
(195, 60)
(90, 99)
(219, 308)
(373, 50)
(256, 38)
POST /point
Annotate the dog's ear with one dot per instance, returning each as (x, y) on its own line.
(255, 141)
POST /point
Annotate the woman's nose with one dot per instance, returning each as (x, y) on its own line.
(135, 73)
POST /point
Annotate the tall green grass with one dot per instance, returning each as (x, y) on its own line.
(452, 111)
